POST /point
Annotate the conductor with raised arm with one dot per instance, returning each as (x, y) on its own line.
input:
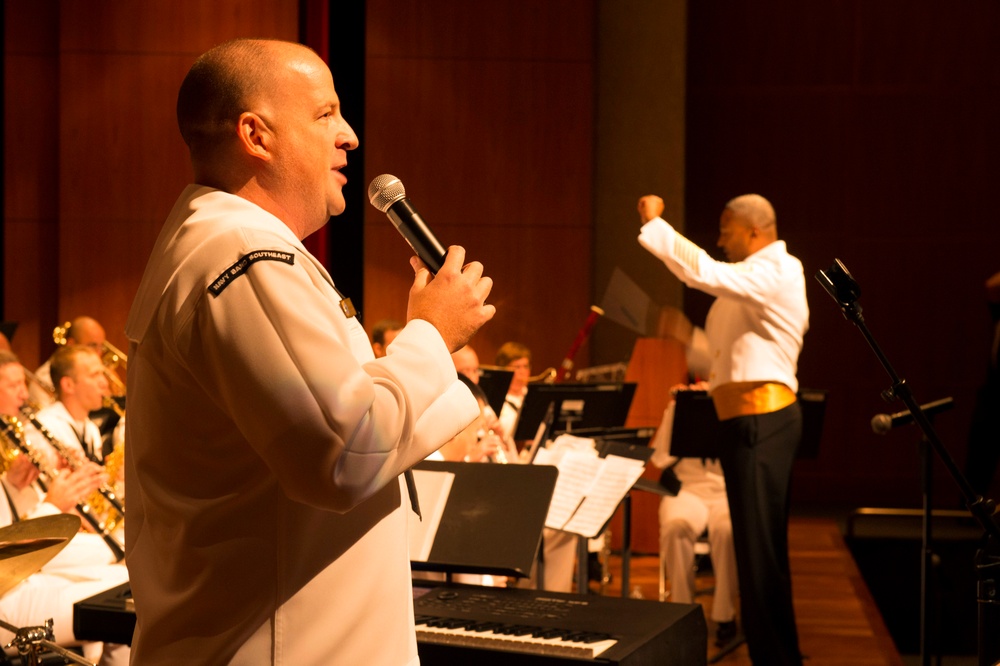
(266, 444)
(754, 334)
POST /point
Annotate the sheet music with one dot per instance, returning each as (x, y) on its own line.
(588, 489)
(616, 477)
(577, 471)
(433, 489)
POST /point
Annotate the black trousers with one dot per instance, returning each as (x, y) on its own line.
(757, 456)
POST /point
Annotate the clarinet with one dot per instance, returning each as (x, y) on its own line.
(75, 459)
(13, 434)
(566, 367)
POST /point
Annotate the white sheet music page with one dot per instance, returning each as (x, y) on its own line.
(577, 470)
(588, 488)
(615, 477)
(433, 488)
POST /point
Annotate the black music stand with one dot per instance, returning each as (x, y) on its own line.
(575, 407)
(696, 426)
(626, 443)
(493, 519)
(495, 384)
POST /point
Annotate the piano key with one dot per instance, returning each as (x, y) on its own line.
(522, 642)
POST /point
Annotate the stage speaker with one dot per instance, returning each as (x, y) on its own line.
(886, 545)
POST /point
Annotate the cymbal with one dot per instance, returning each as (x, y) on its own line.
(25, 546)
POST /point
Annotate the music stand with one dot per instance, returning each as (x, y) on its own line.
(627, 443)
(575, 406)
(493, 519)
(495, 384)
(696, 426)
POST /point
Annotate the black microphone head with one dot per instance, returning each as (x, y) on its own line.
(881, 424)
(385, 190)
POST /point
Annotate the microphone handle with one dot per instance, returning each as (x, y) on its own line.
(408, 222)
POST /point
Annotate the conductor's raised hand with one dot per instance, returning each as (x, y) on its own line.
(454, 300)
(650, 207)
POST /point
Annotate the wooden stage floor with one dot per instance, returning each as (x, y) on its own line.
(838, 621)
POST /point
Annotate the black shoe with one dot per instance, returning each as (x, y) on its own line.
(724, 633)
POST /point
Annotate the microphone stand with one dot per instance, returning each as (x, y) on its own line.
(842, 287)
(927, 587)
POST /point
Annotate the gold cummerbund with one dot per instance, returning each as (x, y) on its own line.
(749, 398)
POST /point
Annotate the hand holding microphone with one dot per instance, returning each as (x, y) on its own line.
(449, 295)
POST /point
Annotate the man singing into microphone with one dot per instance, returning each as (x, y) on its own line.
(754, 334)
(266, 444)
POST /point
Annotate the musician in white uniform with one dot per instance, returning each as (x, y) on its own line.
(267, 514)
(699, 505)
(81, 386)
(85, 567)
(83, 330)
(754, 330)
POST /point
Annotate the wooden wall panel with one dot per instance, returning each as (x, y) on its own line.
(871, 127)
(31, 270)
(102, 151)
(487, 117)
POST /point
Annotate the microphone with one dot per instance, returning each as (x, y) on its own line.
(883, 423)
(388, 195)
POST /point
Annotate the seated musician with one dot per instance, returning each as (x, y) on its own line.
(516, 357)
(80, 388)
(479, 441)
(466, 362)
(559, 554)
(83, 330)
(700, 504)
(84, 568)
(383, 333)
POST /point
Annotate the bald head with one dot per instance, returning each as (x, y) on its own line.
(747, 225)
(467, 363)
(223, 83)
(86, 331)
(757, 212)
(263, 122)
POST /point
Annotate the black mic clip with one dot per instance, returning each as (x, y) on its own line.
(843, 288)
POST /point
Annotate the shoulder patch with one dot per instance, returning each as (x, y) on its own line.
(241, 266)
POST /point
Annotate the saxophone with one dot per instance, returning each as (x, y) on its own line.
(15, 443)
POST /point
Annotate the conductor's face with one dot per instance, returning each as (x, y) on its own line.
(312, 137)
(735, 236)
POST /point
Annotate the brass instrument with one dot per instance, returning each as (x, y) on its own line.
(15, 443)
(111, 358)
(546, 376)
(612, 372)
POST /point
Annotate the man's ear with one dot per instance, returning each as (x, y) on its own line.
(254, 135)
(65, 385)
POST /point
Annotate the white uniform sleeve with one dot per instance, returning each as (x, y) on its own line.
(694, 267)
(334, 430)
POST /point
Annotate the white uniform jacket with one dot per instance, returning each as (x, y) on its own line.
(61, 425)
(266, 522)
(756, 324)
